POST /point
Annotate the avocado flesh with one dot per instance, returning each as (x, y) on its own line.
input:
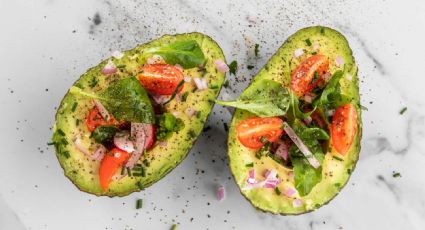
(335, 173)
(70, 122)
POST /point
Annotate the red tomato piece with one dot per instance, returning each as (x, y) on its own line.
(160, 79)
(303, 77)
(343, 128)
(251, 131)
(110, 164)
(95, 119)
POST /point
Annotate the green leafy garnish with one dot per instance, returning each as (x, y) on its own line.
(396, 174)
(250, 67)
(403, 110)
(306, 177)
(175, 92)
(250, 165)
(256, 49)
(233, 67)
(139, 203)
(294, 109)
(331, 96)
(104, 134)
(174, 227)
(125, 99)
(168, 124)
(264, 98)
(308, 42)
(186, 53)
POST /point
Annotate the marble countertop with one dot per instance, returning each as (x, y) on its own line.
(46, 44)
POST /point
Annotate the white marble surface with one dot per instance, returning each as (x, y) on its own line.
(46, 44)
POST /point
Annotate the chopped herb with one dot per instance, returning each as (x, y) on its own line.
(277, 191)
(226, 84)
(139, 204)
(198, 114)
(256, 49)
(317, 205)
(60, 132)
(51, 143)
(250, 67)
(349, 171)
(363, 107)
(206, 128)
(168, 124)
(250, 165)
(263, 140)
(213, 87)
(233, 67)
(337, 185)
(121, 66)
(122, 170)
(140, 185)
(308, 42)
(174, 227)
(77, 122)
(396, 174)
(74, 106)
(128, 171)
(93, 82)
(192, 133)
(322, 30)
(183, 97)
(175, 92)
(226, 127)
(337, 158)
(104, 134)
(403, 110)
(313, 53)
(146, 162)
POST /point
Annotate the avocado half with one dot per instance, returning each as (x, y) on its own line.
(336, 170)
(70, 119)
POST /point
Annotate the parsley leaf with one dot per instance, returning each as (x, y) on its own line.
(233, 67)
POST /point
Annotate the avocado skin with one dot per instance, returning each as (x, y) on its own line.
(332, 38)
(83, 172)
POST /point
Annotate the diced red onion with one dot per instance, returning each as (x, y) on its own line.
(327, 76)
(308, 120)
(179, 67)
(109, 68)
(298, 52)
(117, 54)
(155, 59)
(162, 143)
(308, 98)
(160, 99)
(220, 193)
(348, 77)
(316, 46)
(102, 110)
(330, 112)
(80, 147)
(282, 151)
(199, 82)
(204, 83)
(251, 18)
(140, 139)
(297, 203)
(301, 146)
(175, 113)
(187, 79)
(150, 134)
(289, 192)
(190, 112)
(123, 142)
(99, 153)
(221, 66)
(291, 175)
(339, 61)
(251, 177)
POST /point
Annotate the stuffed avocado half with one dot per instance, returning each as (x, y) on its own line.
(295, 135)
(129, 121)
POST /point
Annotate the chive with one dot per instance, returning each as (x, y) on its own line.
(256, 49)
(121, 66)
(146, 162)
(349, 171)
(174, 227)
(139, 204)
(226, 84)
(258, 155)
(308, 42)
(403, 110)
(143, 172)
(396, 174)
(214, 87)
(337, 158)
(77, 122)
(198, 114)
(184, 96)
(138, 165)
(233, 67)
(277, 191)
(192, 133)
(122, 170)
(313, 53)
(362, 107)
(337, 185)
(74, 106)
(65, 154)
(175, 92)
(250, 165)
(140, 185)
(51, 143)
(60, 132)
(93, 82)
(206, 128)
(250, 67)
(226, 127)
(128, 171)
(263, 140)
(140, 72)
(322, 30)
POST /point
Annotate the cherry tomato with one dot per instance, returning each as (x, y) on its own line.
(110, 164)
(251, 131)
(343, 128)
(161, 79)
(303, 77)
(95, 119)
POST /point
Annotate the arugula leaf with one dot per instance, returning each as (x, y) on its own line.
(264, 98)
(186, 53)
(233, 67)
(168, 124)
(294, 109)
(125, 99)
(331, 96)
(306, 177)
(104, 134)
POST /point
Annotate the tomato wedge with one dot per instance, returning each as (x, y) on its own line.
(160, 79)
(303, 77)
(251, 131)
(110, 164)
(343, 128)
(95, 119)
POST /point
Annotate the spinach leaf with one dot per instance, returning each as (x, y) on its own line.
(331, 96)
(168, 124)
(186, 53)
(306, 177)
(264, 98)
(104, 134)
(125, 99)
(294, 109)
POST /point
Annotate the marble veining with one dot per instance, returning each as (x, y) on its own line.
(47, 44)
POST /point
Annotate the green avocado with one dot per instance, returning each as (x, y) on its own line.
(162, 158)
(336, 169)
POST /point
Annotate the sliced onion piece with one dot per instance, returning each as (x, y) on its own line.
(179, 67)
(301, 146)
(298, 52)
(109, 68)
(117, 54)
(102, 110)
(220, 193)
(339, 61)
(289, 192)
(187, 79)
(99, 153)
(199, 84)
(123, 142)
(80, 147)
(221, 66)
(297, 203)
(282, 151)
(140, 139)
